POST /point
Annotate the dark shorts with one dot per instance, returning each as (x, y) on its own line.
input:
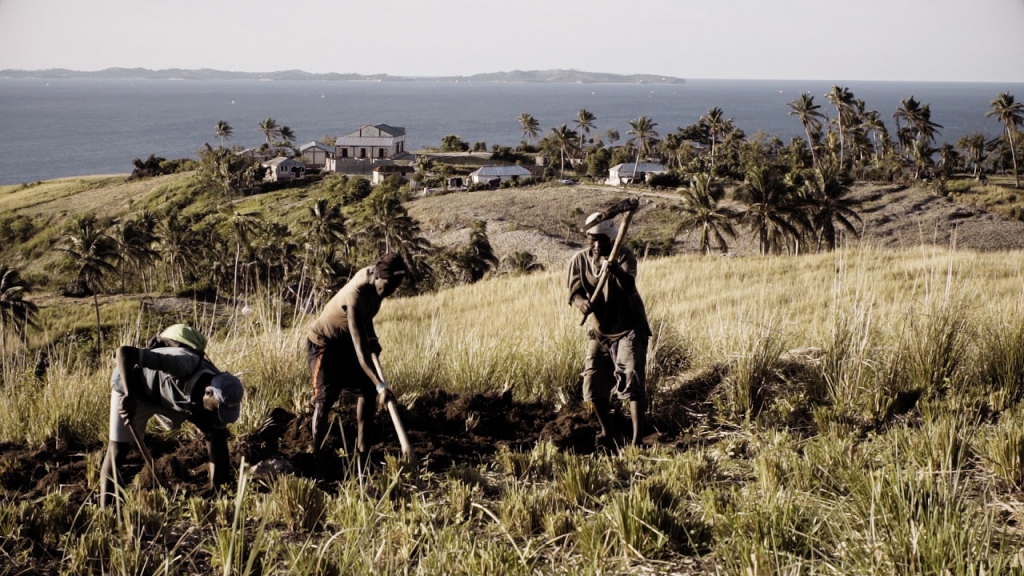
(616, 367)
(335, 370)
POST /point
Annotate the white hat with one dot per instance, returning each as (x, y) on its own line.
(606, 227)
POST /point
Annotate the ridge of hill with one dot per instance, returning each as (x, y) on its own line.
(542, 220)
(540, 76)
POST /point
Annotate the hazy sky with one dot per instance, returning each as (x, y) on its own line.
(956, 40)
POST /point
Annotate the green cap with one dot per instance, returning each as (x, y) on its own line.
(186, 335)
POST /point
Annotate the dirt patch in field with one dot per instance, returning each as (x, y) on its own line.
(446, 430)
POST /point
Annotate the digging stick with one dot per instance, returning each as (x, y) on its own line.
(403, 438)
(603, 278)
(146, 456)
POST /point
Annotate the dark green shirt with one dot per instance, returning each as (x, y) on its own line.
(618, 309)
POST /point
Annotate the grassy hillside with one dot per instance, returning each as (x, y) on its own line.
(790, 393)
(854, 412)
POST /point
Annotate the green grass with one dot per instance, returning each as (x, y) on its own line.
(867, 420)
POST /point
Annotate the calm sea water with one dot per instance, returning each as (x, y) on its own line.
(55, 128)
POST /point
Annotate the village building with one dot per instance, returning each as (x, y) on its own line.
(282, 168)
(630, 172)
(371, 142)
(315, 154)
(497, 174)
(380, 172)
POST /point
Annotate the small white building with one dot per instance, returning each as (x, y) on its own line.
(629, 172)
(315, 154)
(498, 174)
(282, 168)
(383, 171)
(371, 142)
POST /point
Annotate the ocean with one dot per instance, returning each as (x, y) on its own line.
(56, 128)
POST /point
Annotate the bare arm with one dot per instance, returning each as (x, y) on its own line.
(359, 342)
(127, 358)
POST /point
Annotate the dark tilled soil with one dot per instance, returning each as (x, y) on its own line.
(445, 429)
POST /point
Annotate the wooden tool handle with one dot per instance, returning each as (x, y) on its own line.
(603, 278)
(403, 438)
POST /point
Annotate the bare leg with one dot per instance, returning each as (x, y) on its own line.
(600, 406)
(320, 427)
(113, 462)
(636, 413)
(220, 462)
(364, 419)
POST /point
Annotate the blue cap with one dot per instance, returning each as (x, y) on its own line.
(228, 391)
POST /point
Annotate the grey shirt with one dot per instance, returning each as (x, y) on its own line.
(168, 377)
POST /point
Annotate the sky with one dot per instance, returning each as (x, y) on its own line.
(906, 40)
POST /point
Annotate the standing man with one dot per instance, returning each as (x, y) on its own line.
(617, 350)
(340, 346)
(172, 380)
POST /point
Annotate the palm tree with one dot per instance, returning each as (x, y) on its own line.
(643, 136)
(769, 211)
(523, 262)
(830, 205)
(949, 158)
(134, 239)
(286, 134)
(224, 131)
(383, 221)
(872, 122)
(921, 154)
(805, 109)
(565, 139)
(530, 126)
(325, 227)
(613, 136)
(243, 225)
(479, 256)
(585, 122)
(270, 129)
(842, 99)
(90, 252)
(972, 147)
(1011, 114)
(717, 125)
(15, 311)
(704, 209)
(178, 247)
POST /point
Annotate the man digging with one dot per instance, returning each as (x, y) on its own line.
(340, 349)
(619, 332)
(173, 381)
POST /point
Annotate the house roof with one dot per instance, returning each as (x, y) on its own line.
(627, 167)
(280, 160)
(502, 171)
(385, 130)
(365, 141)
(315, 144)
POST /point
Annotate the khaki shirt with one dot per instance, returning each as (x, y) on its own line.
(358, 297)
(616, 310)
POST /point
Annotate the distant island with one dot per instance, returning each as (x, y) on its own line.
(519, 76)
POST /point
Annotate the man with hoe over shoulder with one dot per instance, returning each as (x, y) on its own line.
(619, 332)
(341, 346)
(171, 379)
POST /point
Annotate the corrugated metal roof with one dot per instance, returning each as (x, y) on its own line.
(365, 141)
(502, 171)
(627, 168)
(278, 161)
(315, 144)
(392, 131)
